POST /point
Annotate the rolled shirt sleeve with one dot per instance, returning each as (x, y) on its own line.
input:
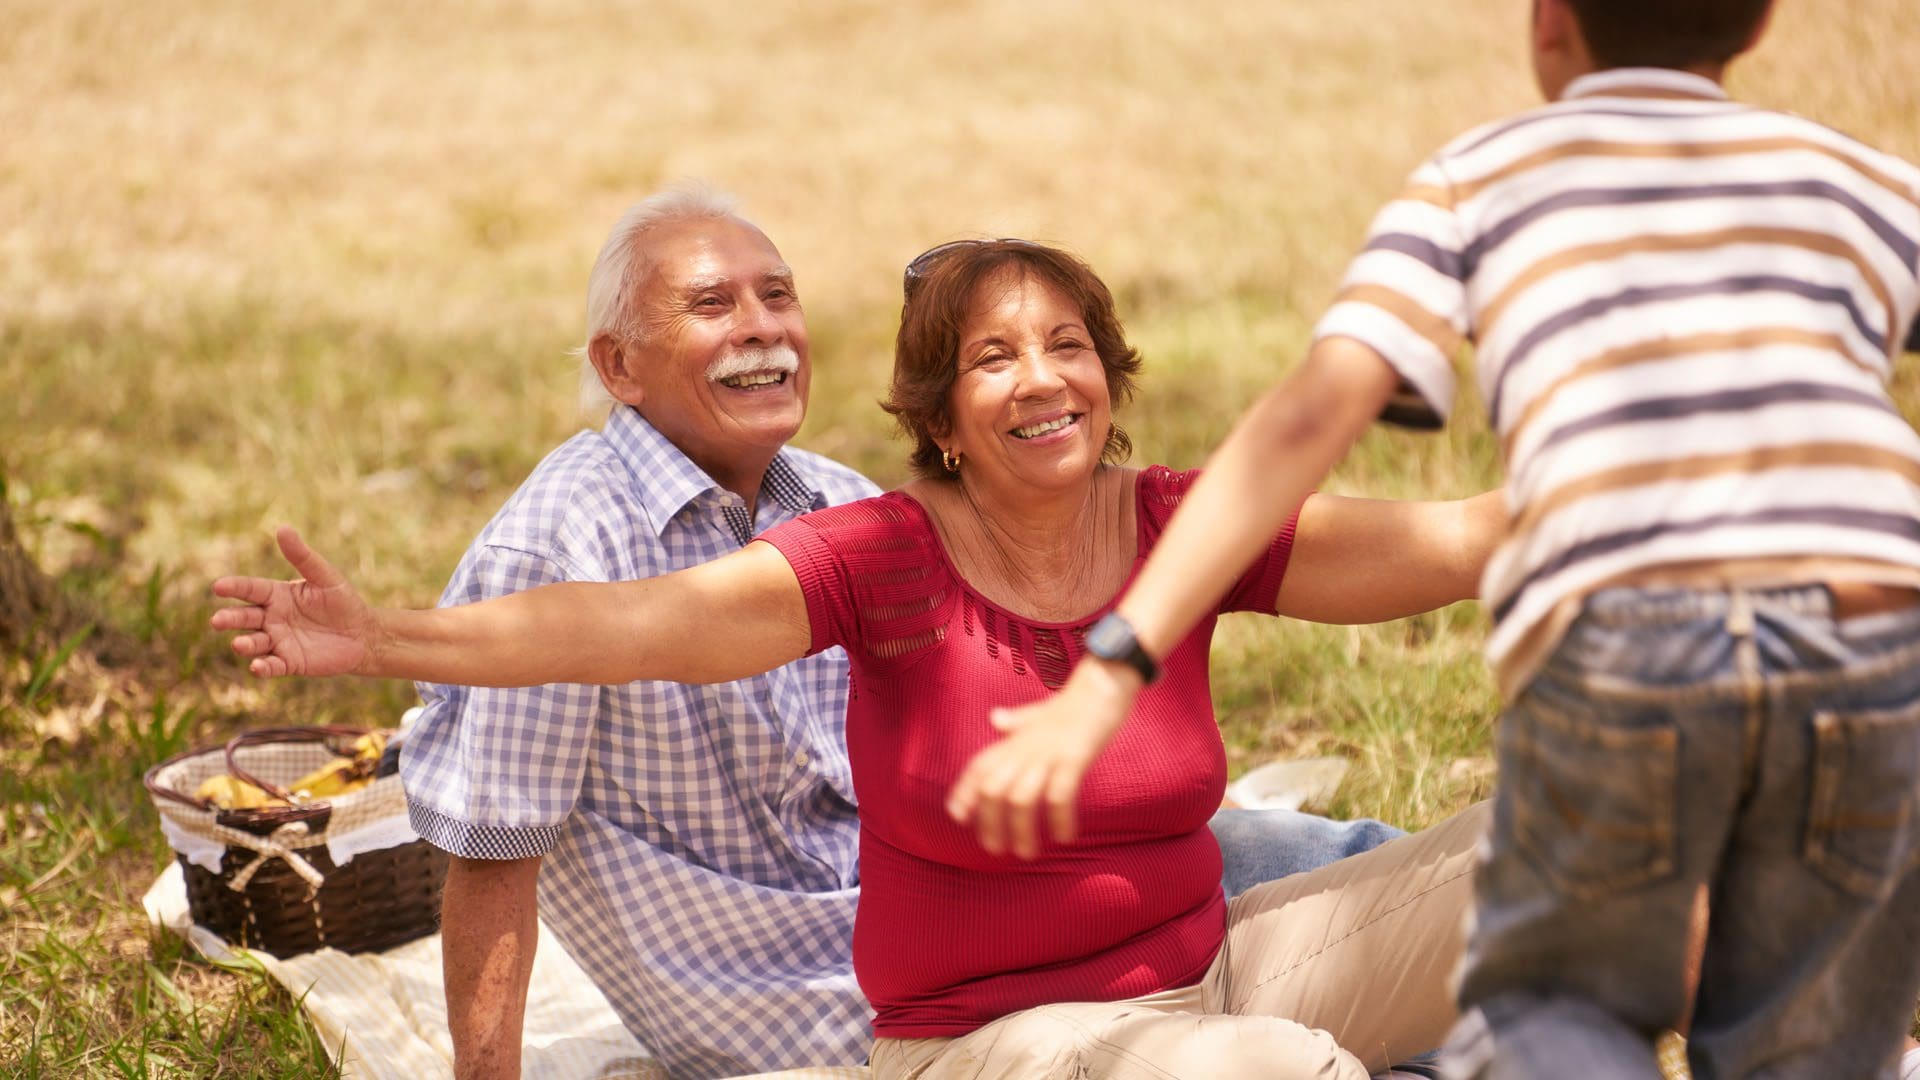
(492, 773)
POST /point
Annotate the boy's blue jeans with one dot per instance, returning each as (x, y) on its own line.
(1742, 739)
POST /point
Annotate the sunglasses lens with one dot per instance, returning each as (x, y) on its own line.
(925, 260)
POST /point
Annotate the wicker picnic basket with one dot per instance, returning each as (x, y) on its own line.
(278, 887)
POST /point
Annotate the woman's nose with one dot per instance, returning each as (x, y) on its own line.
(1039, 375)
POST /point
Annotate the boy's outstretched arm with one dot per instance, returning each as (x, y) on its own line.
(1278, 452)
(736, 616)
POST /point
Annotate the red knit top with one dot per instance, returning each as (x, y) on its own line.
(948, 937)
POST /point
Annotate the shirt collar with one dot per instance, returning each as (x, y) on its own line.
(1643, 83)
(668, 479)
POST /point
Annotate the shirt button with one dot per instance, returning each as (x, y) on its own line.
(801, 759)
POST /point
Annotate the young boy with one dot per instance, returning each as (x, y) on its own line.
(1685, 312)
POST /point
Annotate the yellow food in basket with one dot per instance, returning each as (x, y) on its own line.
(344, 775)
(340, 776)
(228, 793)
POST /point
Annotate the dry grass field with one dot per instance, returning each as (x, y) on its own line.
(266, 262)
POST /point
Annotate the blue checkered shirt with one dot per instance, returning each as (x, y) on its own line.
(700, 841)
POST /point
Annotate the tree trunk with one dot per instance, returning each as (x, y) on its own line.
(31, 605)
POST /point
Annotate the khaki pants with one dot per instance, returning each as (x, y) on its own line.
(1339, 972)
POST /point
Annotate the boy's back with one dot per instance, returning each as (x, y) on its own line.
(1685, 311)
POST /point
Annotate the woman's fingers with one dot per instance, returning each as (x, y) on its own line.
(254, 644)
(249, 617)
(306, 561)
(252, 590)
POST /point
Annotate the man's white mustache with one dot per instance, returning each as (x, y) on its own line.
(779, 358)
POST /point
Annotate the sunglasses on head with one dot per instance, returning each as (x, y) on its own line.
(926, 260)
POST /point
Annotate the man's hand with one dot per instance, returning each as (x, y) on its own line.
(1038, 767)
(314, 626)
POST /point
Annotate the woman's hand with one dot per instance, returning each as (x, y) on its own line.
(1036, 770)
(315, 626)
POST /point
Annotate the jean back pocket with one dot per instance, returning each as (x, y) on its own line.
(1593, 791)
(1860, 812)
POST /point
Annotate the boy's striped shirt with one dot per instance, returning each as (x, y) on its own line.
(1685, 312)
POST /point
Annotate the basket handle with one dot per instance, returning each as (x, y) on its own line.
(320, 734)
(154, 788)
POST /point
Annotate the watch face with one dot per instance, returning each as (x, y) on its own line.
(1110, 639)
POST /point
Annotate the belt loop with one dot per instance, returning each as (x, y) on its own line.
(1739, 613)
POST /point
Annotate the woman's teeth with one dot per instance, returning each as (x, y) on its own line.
(1041, 429)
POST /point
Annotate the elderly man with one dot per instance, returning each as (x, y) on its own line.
(694, 847)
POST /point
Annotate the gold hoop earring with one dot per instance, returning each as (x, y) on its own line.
(949, 462)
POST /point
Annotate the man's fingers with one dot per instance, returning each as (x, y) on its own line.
(268, 667)
(1007, 720)
(306, 561)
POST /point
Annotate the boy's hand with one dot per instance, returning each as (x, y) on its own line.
(1036, 770)
(315, 626)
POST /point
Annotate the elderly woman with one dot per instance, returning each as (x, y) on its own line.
(1109, 950)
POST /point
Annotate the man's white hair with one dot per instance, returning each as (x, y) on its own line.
(613, 287)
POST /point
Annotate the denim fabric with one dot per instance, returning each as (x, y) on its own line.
(1258, 846)
(1742, 739)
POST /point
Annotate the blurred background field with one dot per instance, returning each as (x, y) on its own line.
(321, 264)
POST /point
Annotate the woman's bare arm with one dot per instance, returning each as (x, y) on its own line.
(736, 616)
(1370, 560)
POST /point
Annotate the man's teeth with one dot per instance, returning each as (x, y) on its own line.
(754, 378)
(1042, 429)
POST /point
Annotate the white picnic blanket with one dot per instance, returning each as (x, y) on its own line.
(383, 1016)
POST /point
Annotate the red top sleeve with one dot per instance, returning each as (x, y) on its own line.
(869, 572)
(1257, 590)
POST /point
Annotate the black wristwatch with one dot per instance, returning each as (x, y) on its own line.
(1112, 638)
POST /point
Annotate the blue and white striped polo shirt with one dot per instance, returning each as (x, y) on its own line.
(700, 842)
(1685, 312)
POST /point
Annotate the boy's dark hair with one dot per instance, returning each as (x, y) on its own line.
(1667, 33)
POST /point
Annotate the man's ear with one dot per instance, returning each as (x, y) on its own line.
(616, 360)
